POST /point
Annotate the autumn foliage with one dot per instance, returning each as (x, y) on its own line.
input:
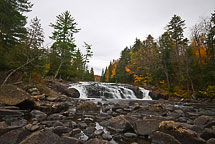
(172, 63)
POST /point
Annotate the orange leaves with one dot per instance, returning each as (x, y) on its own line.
(127, 69)
(114, 69)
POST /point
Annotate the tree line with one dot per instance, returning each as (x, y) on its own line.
(172, 63)
(22, 52)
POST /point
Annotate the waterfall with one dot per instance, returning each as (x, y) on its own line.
(110, 91)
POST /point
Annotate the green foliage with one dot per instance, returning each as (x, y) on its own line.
(63, 47)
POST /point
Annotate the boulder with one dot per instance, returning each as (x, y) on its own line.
(59, 130)
(38, 115)
(87, 107)
(89, 131)
(145, 127)
(118, 124)
(68, 140)
(182, 134)
(12, 95)
(14, 136)
(159, 137)
(202, 120)
(41, 137)
(211, 141)
(97, 141)
(157, 96)
(10, 113)
(64, 89)
(106, 136)
(208, 133)
(4, 128)
(153, 109)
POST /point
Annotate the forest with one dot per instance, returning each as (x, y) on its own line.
(23, 56)
(171, 64)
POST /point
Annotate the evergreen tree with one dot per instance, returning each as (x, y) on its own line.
(63, 34)
(92, 74)
(175, 29)
(12, 28)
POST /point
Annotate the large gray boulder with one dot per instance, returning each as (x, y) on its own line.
(163, 138)
(41, 137)
(12, 95)
(183, 135)
(63, 89)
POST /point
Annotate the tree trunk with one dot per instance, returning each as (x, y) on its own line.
(56, 74)
(198, 47)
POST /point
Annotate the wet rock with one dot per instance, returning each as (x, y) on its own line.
(64, 89)
(163, 138)
(182, 134)
(202, 120)
(12, 95)
(89, 131)
(87, 107)
(97, 141)
(14, 136)
(208, 133)
(118, 124)
(59, 130)
(136, 90)
(41, 137)
(106, 136)
(157, 96)
(98, 132)
(68, 140)
(38, 115)
(146, 126)
(211, 141)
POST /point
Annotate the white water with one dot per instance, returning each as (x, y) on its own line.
(117, 91)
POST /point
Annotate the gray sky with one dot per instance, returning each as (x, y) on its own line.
(111, 25)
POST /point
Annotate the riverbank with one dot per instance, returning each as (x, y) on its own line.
(50, 115)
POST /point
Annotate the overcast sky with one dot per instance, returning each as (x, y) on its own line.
(111, 25)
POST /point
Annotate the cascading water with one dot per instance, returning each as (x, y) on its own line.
(110, 91)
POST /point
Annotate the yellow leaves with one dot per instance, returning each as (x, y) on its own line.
(209, 92)
(140, 79)
(46, 68)
(162, 82)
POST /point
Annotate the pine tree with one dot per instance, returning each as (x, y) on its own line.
(63, 34)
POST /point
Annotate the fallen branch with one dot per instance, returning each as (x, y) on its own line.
(13, 71)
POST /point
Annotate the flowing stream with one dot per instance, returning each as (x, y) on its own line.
(89, 90)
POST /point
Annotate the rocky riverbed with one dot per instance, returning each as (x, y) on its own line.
(58, 118)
